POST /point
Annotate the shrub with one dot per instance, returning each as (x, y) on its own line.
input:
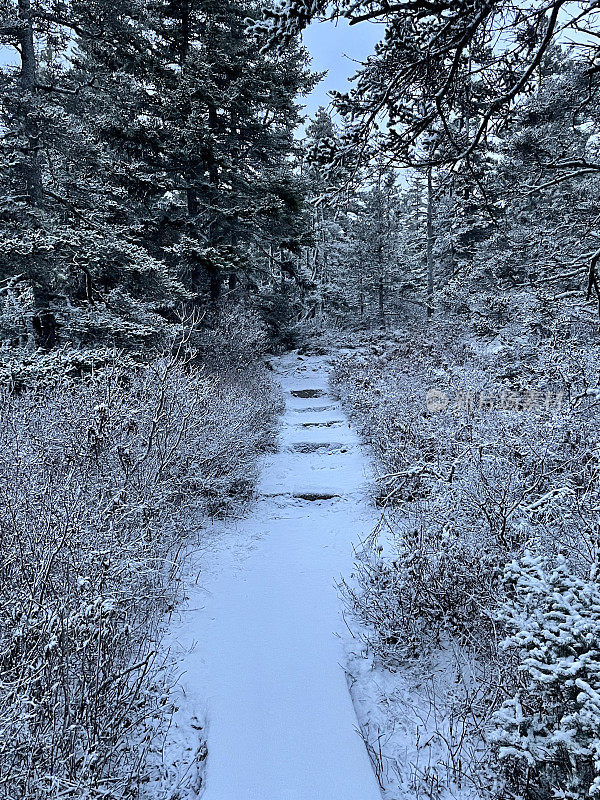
(464, 491)
(235, 339)
(547, 735)
(435, 587)
(99, 481)
(21, 369)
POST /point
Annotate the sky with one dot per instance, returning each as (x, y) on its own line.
(336, 47)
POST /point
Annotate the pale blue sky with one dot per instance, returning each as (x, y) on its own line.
(336, 47)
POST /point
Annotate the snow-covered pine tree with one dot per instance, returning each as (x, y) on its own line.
(225, 126)
(547, 736)
(70, 242)
(149, 159)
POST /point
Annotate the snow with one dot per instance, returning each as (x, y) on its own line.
(260, 638)
(408, 717)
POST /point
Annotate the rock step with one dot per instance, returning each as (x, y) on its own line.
(314, 409)
(307, 394)
(318, 447)
(325, 424)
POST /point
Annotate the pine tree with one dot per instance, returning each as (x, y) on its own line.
(149, 156)
(69, 243)
(228, 140)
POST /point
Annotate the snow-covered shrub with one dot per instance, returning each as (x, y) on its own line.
(497, 477)
(547, 735)
(236, 339)
(99, 481)
(435, 587)
(21, 369)
(466, 489)
(492, 314)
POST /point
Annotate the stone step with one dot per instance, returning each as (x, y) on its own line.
(328, 448)
(307, 394)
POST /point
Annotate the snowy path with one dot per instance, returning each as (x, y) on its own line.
(262, 661)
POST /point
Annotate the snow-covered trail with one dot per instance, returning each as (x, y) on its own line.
(262, 658)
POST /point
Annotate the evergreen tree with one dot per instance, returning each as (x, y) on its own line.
(148, 157)
(70, 252)
(228, 141)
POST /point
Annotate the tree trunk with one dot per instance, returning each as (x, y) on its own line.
(192, 202)
(361, 296)
(44, 321)
(381, 235)
(216, 279)
(215, 285)
(430, 265)
(325, 253)
(31, 170)
(272, 268)
(44, 327)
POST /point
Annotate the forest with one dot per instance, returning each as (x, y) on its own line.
(299, 412)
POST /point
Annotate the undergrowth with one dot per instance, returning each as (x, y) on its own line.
(101, 480)
(468, 485)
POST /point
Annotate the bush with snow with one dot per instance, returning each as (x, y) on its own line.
(464, 491)
(235, 339)
(547, 734)
(435, 586)
(100, 480)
